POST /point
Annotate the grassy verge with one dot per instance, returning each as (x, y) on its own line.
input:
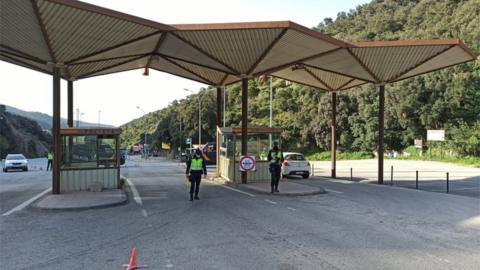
(323, 156)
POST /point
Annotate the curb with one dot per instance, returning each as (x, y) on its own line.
(122, 201)
(222, 181)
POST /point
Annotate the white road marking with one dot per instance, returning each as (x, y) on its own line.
(334, 191)
(291, 208)
(27, 203)
(136, 195)
(234, 189)
(272, 202)
(144, 213)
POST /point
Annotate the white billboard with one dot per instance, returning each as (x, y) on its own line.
(436, 135)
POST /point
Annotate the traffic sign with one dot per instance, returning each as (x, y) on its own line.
(247, 163)
(188, 141)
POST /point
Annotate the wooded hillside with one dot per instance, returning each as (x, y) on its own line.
(448, 99)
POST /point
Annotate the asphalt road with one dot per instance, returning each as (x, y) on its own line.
(353, 226)
(19, 186)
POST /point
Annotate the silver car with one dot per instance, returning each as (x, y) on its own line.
(15, 162)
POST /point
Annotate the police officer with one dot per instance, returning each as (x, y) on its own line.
(195, 167)
(275, 157)
(50, 160)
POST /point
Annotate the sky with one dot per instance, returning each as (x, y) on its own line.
(113, 99)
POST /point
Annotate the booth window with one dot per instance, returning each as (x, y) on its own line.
(88, 151)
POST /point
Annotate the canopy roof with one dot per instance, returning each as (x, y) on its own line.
(87, 40)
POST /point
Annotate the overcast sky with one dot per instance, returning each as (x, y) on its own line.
(117, 95)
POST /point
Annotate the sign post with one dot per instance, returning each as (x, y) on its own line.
(247, 163)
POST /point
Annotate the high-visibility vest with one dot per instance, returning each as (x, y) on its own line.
(276, 156)
(197, 165)
(50, 156)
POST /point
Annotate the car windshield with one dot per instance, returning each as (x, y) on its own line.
(15, 157)
(295, 157)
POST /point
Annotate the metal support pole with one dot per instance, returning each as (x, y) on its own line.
(199, 121)
(334, 135)
(381, 111)
(351, 174)
(219, 121)
(416, 179)
(56, 132)
(70, 103)
(244, 123)
(271, 112)
(224, 103)
(448, 182)
(391, 175)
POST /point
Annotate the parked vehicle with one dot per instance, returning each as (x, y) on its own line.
(15, 162)
(295, 164)
(209, 151)
(123, 155)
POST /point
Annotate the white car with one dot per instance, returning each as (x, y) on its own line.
(15, 162)
(295, 164)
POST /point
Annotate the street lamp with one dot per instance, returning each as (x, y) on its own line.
(145, 150)
(79, 115)
(199, 116)
(99, 111)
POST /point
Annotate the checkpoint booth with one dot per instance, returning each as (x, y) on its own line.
(89, 157)
(230, 141)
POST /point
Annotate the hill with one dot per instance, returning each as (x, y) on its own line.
(19, 134)
(447, 99)
(45, 120)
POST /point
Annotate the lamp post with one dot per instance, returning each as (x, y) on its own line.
(79, 115)
(99, 111)
(199, 116)
(145, 150)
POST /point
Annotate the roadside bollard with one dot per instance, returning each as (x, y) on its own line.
(448, 184)
(416, 180)
(391, 175)
(351, 174)
(313, 169)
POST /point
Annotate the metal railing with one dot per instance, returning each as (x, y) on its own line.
(462, 182)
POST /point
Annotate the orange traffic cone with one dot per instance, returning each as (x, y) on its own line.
(132, 265)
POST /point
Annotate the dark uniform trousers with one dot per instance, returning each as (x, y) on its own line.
(195, 182)
(275, 171)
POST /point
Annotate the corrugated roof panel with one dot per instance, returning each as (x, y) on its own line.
(75, 33)
(388, 62)
(292, 46)
(215, 77)
(300, 76)
(231, 79)
(19, 29)
(167, 66)
(81, 70)
(451, 57)
(135, 64)
(26, 63)
(143, 46)
(342, 62)
(173, 46)
(239, 49)
(334, 81)
(353, 83)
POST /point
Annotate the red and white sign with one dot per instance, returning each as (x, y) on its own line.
(247, 163)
